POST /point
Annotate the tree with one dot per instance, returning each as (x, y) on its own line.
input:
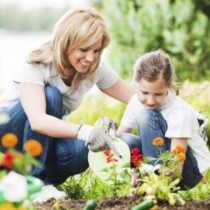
(181, 28)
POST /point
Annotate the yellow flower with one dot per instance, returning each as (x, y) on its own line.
(10, 206)
(9, 140)
(33, 147)
(158, 141)
(7, 206)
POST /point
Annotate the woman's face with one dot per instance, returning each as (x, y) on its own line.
(82, 58)
(152, 94)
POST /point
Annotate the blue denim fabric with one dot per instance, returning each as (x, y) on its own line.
(71, 158)
(15, 125)
(61, 158)
(151, 124)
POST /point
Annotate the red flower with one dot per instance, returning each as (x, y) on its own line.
(107, 152)
(8, 160)
(136, 157)
(135, 151)
(109, 156)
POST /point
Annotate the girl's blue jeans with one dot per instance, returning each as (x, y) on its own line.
(61, 158)
(151, 124)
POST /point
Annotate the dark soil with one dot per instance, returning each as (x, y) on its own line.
(118, 204)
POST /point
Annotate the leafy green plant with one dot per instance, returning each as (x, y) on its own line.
(16, 184)
(118, 179)
(86, 186)
(161, 184)
(75, 186)
(201, 191)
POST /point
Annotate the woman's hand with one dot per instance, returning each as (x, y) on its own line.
(101, 137)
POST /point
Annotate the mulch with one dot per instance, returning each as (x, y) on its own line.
(117, 204)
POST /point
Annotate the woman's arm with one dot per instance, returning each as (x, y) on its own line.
(121, 91)
(32, 97)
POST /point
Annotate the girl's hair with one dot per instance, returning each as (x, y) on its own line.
(77, 28)
(153, 66)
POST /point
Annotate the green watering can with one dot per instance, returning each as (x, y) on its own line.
(34, 186)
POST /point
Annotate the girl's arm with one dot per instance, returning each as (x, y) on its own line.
(123, 129)
(181, 142)
(120, 91)
(32, 97)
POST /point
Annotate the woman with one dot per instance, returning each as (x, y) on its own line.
(52, 84)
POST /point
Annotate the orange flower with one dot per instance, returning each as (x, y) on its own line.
(180, 148)
(109, 156)
(179, 152)
(158, 141)
(9, 140)
(181, 156)
(33, 147)
(174, 152)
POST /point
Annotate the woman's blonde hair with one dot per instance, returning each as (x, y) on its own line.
(77, 28)
(154, 65)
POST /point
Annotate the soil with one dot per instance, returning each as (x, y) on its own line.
(118, 204)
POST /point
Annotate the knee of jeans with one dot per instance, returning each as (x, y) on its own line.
(152, 118)
(148, 113)
(62, 149)
(71, 155)
(53, 101)
(133, 141)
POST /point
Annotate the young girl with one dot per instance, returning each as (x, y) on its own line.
(157, 111)
(52, 84)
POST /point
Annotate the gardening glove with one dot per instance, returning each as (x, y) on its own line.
(84, 130)
(203, 123)
(100, 137)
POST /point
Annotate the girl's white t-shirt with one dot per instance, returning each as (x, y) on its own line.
(105, 77)
(182, 123)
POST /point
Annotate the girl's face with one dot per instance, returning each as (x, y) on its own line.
(152, 94)
(82, 58)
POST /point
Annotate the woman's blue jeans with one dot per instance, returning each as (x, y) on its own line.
(61, 158)
(151, 124)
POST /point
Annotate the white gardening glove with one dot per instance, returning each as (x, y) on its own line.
(106, 123)
(84, 131)
(100, 137)
(203, 123)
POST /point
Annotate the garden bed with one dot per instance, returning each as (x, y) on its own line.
(117, 204)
